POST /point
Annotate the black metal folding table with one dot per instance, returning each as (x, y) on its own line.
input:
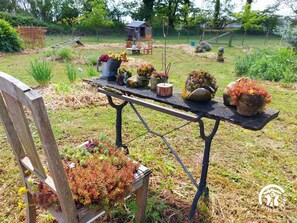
(214, 109)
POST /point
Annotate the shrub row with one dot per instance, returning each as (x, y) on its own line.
(21, 20)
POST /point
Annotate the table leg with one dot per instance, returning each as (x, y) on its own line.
(119, 109)
(202, 184)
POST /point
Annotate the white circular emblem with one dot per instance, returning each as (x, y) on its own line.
(271, 195)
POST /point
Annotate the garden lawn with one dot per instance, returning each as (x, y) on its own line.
(242, 162)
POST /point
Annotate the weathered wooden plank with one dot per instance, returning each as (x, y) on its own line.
(13, 87)
(53, 157)
(47, 180)
(141, 198)
(214, 109)
(10, 130)
(216, 37)
(20, 122)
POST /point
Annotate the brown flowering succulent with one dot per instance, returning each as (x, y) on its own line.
(160, 75)
(145, 70)
(246, 86)
(201, 79)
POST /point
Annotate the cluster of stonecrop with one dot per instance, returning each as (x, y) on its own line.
(121, 57)
(98, 173)
(246, 86)
(201, 79)
(145, 70)
(124, 69)
(159, 75)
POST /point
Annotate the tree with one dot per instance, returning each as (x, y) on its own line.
(42, 9)
(216, 14)
(118, 10)
(97, 18)
(146, 11)
(269, 20)
(287, 32)
(291, 4)
(67, 12)
(170, 9)
(249, 19)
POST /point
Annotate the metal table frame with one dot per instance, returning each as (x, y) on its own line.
(111, 91)
(207, 139)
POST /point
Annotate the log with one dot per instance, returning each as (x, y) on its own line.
(164, 89)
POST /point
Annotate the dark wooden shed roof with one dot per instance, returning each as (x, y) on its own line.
(138, 24)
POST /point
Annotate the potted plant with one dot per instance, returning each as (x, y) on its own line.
(200, 86)
(144, 73)
(129, 41)
(102, 61)
(247, 95)
(114, 62)
(98, 174)
(157, 78)
(124, 73)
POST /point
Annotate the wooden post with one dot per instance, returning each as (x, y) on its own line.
(201, 37)
(230, 39)
(141, 197)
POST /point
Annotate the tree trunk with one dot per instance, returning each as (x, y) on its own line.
(266, 37)
(243, 37)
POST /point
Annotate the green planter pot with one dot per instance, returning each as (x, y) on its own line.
(142, 81)
(155, 81)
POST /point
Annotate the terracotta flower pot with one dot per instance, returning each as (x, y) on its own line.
(249, 105)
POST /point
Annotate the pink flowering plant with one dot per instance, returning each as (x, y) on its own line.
(160, 75)
(104, 58)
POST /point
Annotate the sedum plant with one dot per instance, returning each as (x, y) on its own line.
(98, 174)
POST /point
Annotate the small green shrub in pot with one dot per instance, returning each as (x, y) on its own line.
(41, 71)
(9, 38)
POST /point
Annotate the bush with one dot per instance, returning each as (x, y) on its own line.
(9, 38)
(65, 53)
(293, 43)
(269, 64)
(41, 71)
(71, 73)
(21, 20)
(203, 47)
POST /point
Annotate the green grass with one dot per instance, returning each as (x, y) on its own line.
(241, 163)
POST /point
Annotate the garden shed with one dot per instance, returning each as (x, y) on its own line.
(138, 29)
